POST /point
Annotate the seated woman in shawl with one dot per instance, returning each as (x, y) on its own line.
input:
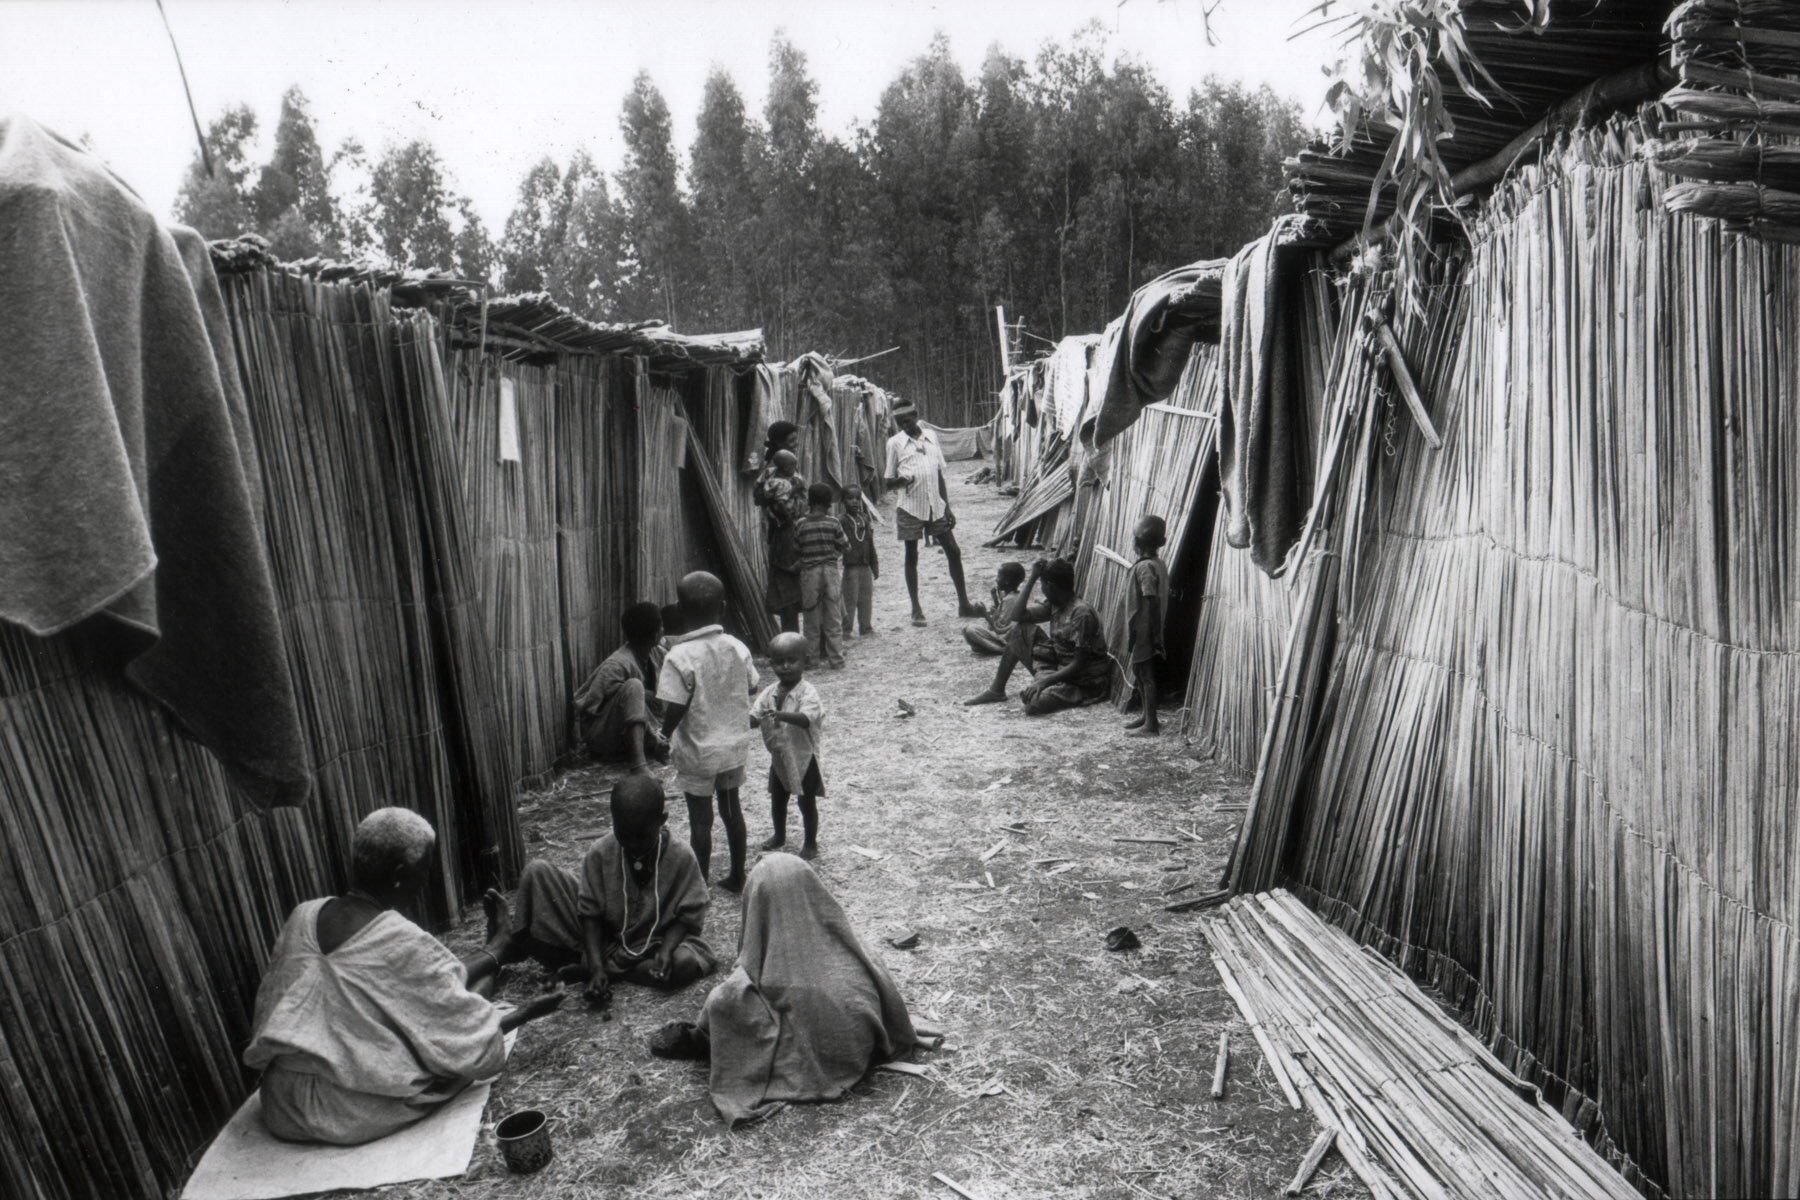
(365, 1023)
(635, 913)
(805, 1014)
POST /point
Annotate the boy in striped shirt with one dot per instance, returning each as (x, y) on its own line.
(821, 543)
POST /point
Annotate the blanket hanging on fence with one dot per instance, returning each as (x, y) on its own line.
(128, 483)
(1262, 414)
(1146, 348)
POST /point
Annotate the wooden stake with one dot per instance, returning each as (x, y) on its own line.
(1320, 1148)
(1219, 1067)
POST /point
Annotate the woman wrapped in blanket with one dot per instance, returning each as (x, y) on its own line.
(806, 1012)
(365, 1023)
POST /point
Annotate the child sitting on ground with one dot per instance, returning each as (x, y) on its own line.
(1149, 600)
(862, 565)
(635, 913)
(987, 637)
(822, 543)
(791, 717)
(705, 685)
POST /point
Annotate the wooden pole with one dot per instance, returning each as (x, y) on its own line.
(1409, 391)
(1320, 1148)
(1220, 1067)
(1005, 350)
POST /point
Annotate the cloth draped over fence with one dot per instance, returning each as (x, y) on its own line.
(1262, 436)
(128, 483)
(1145, 349)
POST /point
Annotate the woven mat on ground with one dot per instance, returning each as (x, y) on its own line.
(246, 1162)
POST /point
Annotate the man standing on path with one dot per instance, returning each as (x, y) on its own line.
(915, 469)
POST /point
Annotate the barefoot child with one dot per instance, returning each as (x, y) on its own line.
(634, 914)
(822, 544)
(862, 564)
(987, 637)
(705, 684)
(791, 717)
(1149, 603)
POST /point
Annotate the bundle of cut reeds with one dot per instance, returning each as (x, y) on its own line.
(663, 551)
(1420, 1107)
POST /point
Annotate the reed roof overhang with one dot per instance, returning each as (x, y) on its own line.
(529, 326)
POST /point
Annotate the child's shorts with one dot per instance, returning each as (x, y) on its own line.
(811, 785)
(706, 785)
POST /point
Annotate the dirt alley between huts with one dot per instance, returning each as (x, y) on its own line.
(1068, 1071)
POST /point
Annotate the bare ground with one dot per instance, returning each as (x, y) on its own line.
(1069, 1071)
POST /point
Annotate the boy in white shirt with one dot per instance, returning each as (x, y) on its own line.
(792, 716)
(706, 682)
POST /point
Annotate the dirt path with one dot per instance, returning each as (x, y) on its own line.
(1103, 1060)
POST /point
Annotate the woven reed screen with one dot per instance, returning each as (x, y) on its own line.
(1155, 469)
(1557, 771)
(141, 894)
(1242, 633)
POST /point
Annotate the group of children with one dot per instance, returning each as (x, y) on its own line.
(711, 696)
(837, 558)
(709, 688)
(1071, 640)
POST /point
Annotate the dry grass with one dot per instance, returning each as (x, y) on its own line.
(1104, 1060)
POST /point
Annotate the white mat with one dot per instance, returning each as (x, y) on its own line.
(247, 1162)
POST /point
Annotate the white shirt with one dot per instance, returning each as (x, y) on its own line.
(791, 748)
(918, 460)
(709, 671)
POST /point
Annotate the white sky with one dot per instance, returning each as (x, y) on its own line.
(495, 86)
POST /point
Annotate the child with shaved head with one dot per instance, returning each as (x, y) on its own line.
(791, 716)
(635, 913)
(705, 686)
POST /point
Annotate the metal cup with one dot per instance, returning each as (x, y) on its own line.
(524, 1141)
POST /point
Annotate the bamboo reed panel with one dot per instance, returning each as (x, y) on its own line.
(1420, 1107)
(1155, 470)
(1242, 631)
(1556, 777)
(513, 513)
(140, 896)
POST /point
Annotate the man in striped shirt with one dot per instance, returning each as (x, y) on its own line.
(915, 467)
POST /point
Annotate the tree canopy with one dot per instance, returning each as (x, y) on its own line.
(1053, 186)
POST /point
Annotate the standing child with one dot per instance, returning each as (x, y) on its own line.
(791, 717)
(706, 682)
(862, 565)
(822, 543)
(1149, 604)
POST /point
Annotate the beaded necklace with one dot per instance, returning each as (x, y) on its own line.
(625, 899)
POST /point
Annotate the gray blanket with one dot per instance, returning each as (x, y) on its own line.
(128, 482)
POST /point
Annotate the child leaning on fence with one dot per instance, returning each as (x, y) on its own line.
(822, 543)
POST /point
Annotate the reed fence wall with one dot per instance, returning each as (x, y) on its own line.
(143, 892)
(1239, 640)
(1554, 771)
(1154, 468)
